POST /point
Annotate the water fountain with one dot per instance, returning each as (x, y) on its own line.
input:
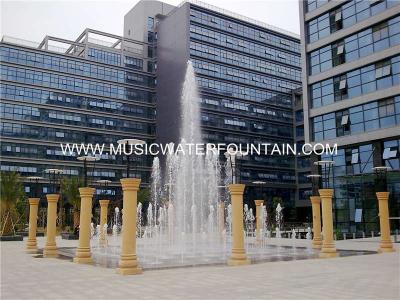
(278, 219)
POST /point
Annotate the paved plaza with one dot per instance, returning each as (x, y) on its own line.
(374, 276)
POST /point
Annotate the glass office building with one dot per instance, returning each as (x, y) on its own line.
(97, 89)
(351, 77)
(246, 71)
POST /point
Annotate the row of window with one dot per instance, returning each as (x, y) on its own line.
(237, 75)
(314, 4)
(99, 173)
(242, 45)
(48, 133)
(248, 109)
(355, 83)
(245, 31)
(74, 84)
(345, 16)
(73, 66)
(111, 58)
(55, 152)
(27, 94)
(22, 112)
(243, 61)
(242, 92)
(366, 42)
(357, 119)
(246, 125)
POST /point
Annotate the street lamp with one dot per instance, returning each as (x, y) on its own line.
(233, 158)
(381, 178)
(129, 143)
(326, 166)
(315, 183)
(261, 184)
(35, 180)
(85, 159)
(53, 178)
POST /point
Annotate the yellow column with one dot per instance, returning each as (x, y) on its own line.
(83, 254)
(238, 255)
(316, 211)
(103, 220)
(128, 264)
(50, 249)
(259, 204)
(221, 219)
(31, 244)
(328, 245)
(386, 244)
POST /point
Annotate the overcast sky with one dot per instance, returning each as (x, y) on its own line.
(32, 20)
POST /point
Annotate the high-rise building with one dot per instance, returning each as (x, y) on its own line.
(351, 97)
(96, 89)
(246, 71)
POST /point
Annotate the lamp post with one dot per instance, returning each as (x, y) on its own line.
(129, 143)
(326, 193)
(50, 248)
(31, 245)
(316, 210)
(382, 194)
(85, 159)
(238, 255)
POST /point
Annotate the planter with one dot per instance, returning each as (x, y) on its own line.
(11, 238)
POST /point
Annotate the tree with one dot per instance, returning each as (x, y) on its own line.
(70, 189)
(11, 191)
(144, 195)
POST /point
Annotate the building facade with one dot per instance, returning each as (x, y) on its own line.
(351, 96)
(246, 72)
(96, 89)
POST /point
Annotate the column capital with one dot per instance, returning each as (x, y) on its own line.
(236, 189)
(315, 199)
(325, 193)
(33, 201)
(86, 191)
(52, 197)
(259, 202)
(130, 184)
(382, 196)
(104, 202)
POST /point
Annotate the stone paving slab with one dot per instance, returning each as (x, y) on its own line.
(373, 276)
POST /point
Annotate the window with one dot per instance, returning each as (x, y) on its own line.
(355, 158)
(345, 120)
(390, 152)
(383, 69)
(380, 31)
(340, 49)
(342, 84)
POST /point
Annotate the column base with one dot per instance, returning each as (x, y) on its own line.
(83, 260)
(128, 265)
(317, 244)
(31, 250)
(328, 254)
(31, 246)
(129, 271)
(238, 262)
(50, 253)
(386, 247)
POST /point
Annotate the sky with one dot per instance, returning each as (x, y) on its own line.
(33, 19)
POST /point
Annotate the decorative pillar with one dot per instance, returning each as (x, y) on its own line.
(83, 254)
(259, 204)
(316, 212)
(50, 249)
(386, 244)
(238, 255)
(103, 221)
(328, 245)
(31, 245)
(128, 264)
(221, 217)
